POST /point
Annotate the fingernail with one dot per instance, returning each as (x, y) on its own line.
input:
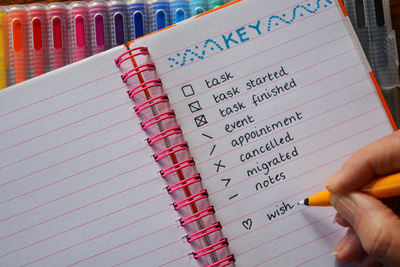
(345, 206)
(335, 219)
(334, 253)
(330, 184)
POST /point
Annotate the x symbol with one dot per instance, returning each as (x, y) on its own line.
(219, 165)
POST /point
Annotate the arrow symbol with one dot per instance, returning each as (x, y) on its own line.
(227, 180)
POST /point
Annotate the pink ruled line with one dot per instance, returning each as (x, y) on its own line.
(59, 94)
(68, 142)
(77, 191)
(255, 38)
(60, 110)
(94, 220)
(96, 237)
(264, 68)
(289, 109)
(85, 206)
(146, 253)
(312, 259)
(302, 122)
(130, 242)
(295, 248)
(285, 146)
(254, 194)
(217, 35)
(343, 70)
(246, 180)
(302, 192)
(284, 234)
(68, 177)
(290, 92)
(67, 160)
(65, 126)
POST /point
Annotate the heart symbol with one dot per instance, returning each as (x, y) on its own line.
(247, 224)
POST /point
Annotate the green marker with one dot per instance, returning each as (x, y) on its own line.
(215, 3)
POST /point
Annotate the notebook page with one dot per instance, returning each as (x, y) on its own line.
(272, 97)
(78, 184)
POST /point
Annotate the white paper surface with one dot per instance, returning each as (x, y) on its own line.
(272, 97)
(78, 184)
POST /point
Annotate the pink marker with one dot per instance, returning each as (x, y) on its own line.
(58, 43)
(37, 42)
(79, 21)
(98, 11)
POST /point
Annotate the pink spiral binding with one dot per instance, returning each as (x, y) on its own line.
(135, 71)
(190, 199)
(211, 248)
(151, 102)
(143, 51)
(171, 150)
(164, 134)
(224, 262)
(198, 215)
(203, 232)
(176, 167)
(144, 86)
(156, 119)
(182, 184)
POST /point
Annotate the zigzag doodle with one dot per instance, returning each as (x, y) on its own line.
(294, 15)
(192, 54)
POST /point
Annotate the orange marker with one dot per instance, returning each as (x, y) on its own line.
(17, 21)
(384, 187)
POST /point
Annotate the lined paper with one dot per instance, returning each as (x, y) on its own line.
(78, 184)
(271, 104)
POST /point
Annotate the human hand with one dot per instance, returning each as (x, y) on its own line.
(373, 237)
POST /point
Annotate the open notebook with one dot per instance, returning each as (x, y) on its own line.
(234, 116)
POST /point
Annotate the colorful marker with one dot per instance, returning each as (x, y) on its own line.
(384, 187)
(3, 48)
(18, 49)
(37, 41)
(58, 40)
(137, 18)
(179, 10)
(98, 12)
(118, 17)
(159, 14)
(79, 30)
(197, 7)
(215, 3)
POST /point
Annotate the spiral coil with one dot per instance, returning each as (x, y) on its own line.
(171, 150)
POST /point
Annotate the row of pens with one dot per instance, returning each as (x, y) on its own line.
(38, 38)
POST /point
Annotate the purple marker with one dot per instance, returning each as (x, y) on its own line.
(118, 17)
(98, 16)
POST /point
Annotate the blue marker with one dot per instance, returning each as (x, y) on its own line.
(159, 14)
(118, 22)
(179, 10)
(197, 7)
(137, 18)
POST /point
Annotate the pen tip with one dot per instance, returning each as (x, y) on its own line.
(303, 202)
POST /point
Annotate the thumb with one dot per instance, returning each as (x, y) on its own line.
(376, 225)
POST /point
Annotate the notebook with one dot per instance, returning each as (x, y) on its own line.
(190, 146)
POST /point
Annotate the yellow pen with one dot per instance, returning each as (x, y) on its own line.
(3, 48)
(383, 187)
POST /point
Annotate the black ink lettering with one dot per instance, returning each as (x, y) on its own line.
(280, 210)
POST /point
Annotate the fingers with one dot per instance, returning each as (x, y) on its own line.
(376, 225)
(341, 221)
(349, 248)
(377, 159)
